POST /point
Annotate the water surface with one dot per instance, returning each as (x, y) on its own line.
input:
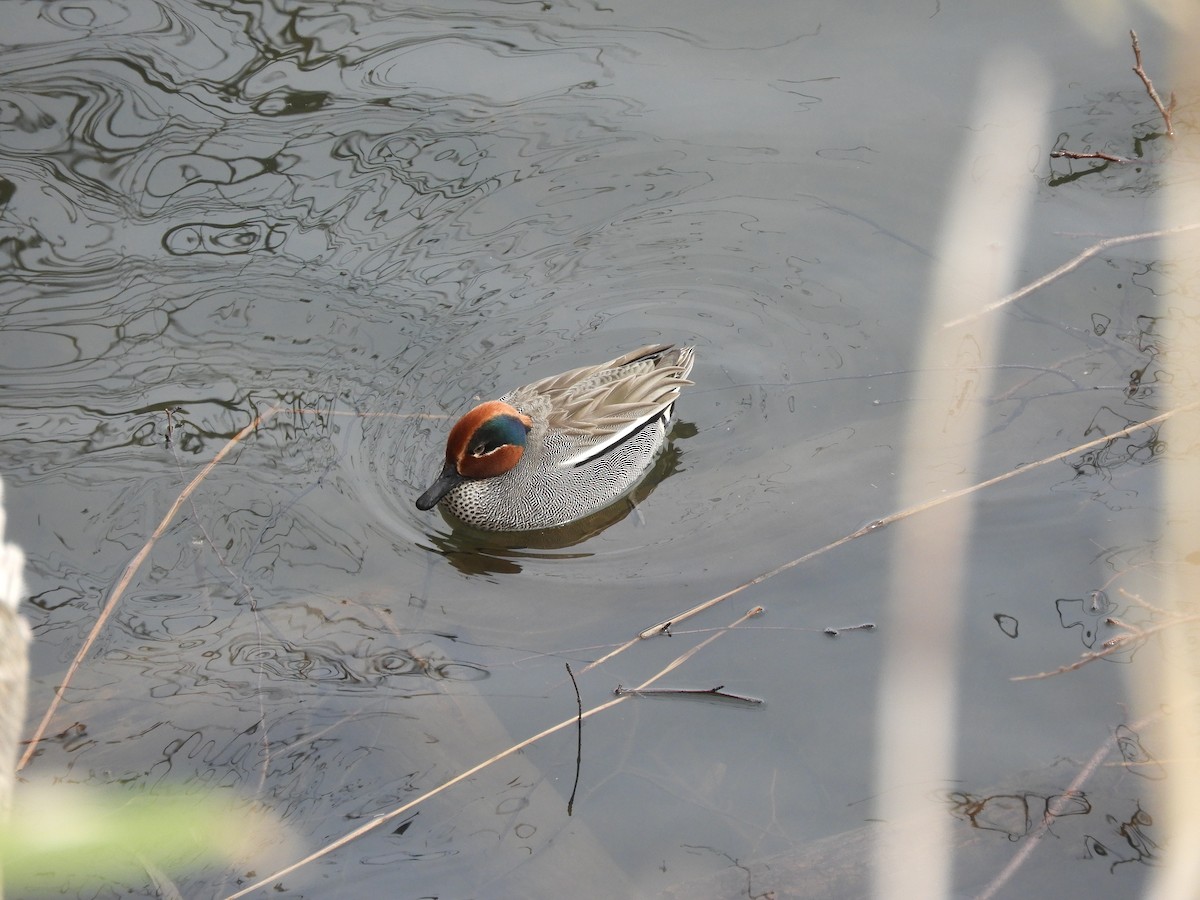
(372, 214)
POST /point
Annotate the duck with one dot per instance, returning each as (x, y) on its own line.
(561, 448)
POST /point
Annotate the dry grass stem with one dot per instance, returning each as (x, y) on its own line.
(575, 719)
(871, 527)
(1143, 603)
(918, 682)
(134, 564)
(1131, 634)
(1070, 266)
(127, 576)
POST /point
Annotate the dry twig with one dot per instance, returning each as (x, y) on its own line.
(1165, 111)
(1133, 634)
(1070, 266)
(712, 693)
(665, 626)
(127, 576)
(134, 564)
(462, 776)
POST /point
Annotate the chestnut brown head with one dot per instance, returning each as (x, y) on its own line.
(486, 442)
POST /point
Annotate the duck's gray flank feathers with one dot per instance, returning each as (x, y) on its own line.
(594, 432)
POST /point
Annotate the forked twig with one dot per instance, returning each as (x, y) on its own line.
(127, 576)
(1095, 154)
(1165, 111)
(462, 776)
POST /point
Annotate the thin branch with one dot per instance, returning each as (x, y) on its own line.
(713, 693)
(127, 576)
(1070, 266)
(1075, 154)
(1144, 604)
(665, 626)
(134, 564)
(834, 632)
(245, 590)
(1111, 646)
(462, 776)
(578, 740)
(1165, 111)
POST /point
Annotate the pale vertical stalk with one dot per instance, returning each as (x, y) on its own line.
(981, 235)
(14, 665)
(1175, 680)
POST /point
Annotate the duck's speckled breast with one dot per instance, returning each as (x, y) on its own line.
(538, 493)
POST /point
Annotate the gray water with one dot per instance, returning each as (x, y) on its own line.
(372, 214)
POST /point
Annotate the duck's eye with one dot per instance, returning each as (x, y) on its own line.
(482, 450)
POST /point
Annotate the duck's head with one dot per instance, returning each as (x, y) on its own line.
(486, 442)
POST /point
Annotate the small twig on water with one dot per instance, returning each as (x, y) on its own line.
(834, 632)
(1111, 646)
(578, 740)
(1074, 154)
(717, 693)
(170, 411)
(1166, 110)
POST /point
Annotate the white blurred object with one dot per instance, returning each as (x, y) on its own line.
(14, 660)
(12, 566)
(978, 255)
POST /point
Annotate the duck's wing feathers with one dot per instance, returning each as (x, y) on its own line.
(609, 402)
(556, 386)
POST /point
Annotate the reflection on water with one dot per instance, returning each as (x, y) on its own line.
(369, 214)
(1116, 835)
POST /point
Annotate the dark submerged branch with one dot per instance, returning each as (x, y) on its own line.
(714, 693)
(1075, 154)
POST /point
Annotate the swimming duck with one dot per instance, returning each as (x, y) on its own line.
(561, 448)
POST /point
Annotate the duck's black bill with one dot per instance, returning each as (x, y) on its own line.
(446, 482)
